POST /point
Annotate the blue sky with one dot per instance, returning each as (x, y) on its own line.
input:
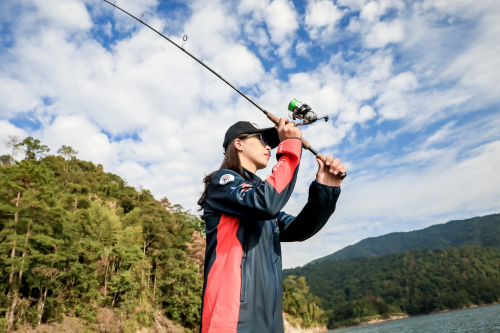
(411, 88)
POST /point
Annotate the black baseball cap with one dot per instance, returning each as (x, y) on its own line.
(246, 127)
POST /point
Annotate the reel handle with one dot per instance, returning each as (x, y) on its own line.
(306, 145)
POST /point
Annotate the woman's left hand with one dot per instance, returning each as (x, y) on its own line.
(327, 172)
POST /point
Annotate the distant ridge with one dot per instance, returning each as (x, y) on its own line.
(477, 231)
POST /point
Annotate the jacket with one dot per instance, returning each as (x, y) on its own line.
(243, 288)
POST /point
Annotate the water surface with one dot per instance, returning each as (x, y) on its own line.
(483, 319)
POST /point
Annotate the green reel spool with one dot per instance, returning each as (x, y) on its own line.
(303, 112)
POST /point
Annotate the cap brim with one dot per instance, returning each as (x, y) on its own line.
(270, 134)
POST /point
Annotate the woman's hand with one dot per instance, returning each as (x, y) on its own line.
(327, 172)
(287, 130)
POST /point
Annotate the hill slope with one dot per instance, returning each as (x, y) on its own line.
(76, 241)
(416, 282)
(477, 231)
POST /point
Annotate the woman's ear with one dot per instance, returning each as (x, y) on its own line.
(238, 145)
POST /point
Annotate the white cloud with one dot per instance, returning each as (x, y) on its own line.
(478, 67)
(373, 10)
(70, 14)
(441, 134)
(301, 49)
(321, 18)
(6, 130)
(243, 68)
(353, 5)
(258, 35)
(281, 20)
(461, 8)
(84, 137)
(364, 114)
(384, 33)
(393, 102)
(10, 88)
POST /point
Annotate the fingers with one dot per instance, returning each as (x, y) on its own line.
(320, 164)
(339, 169)
(287, 129)
(334, 165)
(329, 160)
(282, 123)
(292, 130)
(329, 170)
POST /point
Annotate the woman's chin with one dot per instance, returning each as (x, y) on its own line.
(261, 166)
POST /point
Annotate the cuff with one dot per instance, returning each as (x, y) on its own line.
(290, 146)
(324, 186)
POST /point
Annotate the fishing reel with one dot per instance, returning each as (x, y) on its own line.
(303, 112)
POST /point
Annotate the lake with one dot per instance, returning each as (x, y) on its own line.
(482, 319)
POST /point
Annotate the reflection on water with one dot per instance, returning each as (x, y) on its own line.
(475, 320)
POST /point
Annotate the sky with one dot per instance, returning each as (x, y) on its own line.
(411, 89)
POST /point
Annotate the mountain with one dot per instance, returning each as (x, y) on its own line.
(409, 283)
(477, 231)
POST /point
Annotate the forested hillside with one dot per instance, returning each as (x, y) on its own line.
(416, 282)
(478, 231)
(76, 240)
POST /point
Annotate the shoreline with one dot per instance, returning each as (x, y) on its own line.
(463, 308)
(289, 328)
(374, 321)
(380, 320)
(391, 318)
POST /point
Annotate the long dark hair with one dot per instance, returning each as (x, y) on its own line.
(231, 161)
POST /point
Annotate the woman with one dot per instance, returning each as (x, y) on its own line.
(243, 289)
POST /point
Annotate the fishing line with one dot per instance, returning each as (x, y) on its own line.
(299, 110)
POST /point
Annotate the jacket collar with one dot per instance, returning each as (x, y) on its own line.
(252, 176)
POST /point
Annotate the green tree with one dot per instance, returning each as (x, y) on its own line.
(301, 305)
(68, 153)
(5, 159)
(33, 148)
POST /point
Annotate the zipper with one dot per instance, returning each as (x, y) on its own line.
(271, 266)
(242, 290)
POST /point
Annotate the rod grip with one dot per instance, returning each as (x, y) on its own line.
(273, 118)
(306, 145)
(321, 157)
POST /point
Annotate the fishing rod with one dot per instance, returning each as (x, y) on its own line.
(298, 110)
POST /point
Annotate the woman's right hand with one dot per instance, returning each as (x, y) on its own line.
(287, 130)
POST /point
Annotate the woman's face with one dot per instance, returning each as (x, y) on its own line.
(253, 152)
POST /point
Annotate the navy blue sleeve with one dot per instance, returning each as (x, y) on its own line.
(230, 194)
(320, 206)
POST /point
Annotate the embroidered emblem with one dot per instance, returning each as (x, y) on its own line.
(227, 178)
(241, 189)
